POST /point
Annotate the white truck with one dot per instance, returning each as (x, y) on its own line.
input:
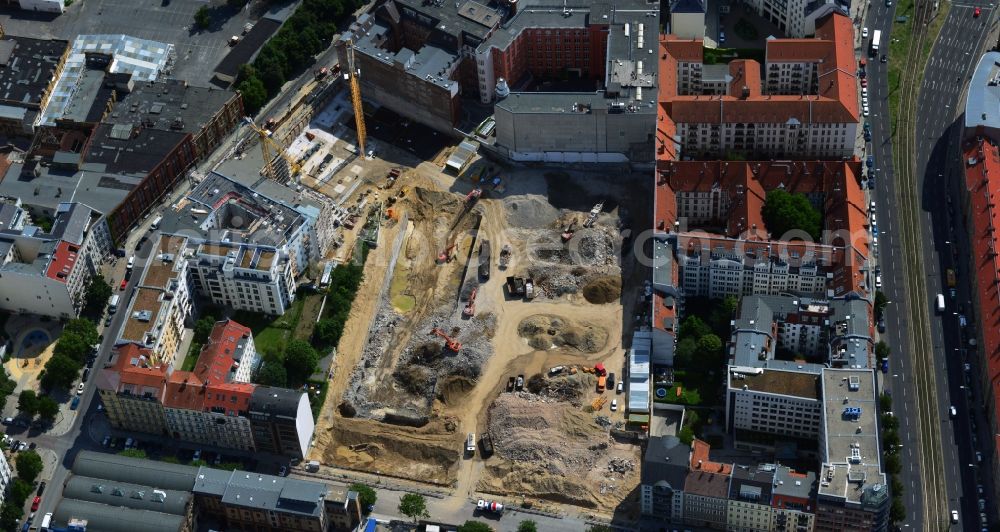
(939, 302)
(470, 443)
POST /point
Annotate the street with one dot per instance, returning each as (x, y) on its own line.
(937, 167)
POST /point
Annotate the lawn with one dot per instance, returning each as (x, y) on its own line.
(688, 395)
(271, 333)
(311, 305)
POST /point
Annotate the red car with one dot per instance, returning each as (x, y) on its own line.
(977, 12)
(35, 503)
(864, 82)
(124, 284)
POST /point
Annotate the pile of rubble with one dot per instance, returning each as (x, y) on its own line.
(545, 431)
(381, 332)
(603, 421)
(620, 465)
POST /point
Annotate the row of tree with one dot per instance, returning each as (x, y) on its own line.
(29, 465)
(306, 33)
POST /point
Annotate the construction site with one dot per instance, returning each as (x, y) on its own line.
(481, 344)
(475, 291)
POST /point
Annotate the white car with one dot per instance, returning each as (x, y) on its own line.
(864, 33)
(864, 101)
(79, 389)
(865, 110)
(621, 387)
(614, 405)
(954, 516)
(952, 411)
(864, 92)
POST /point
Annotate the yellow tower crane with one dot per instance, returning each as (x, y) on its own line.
(359, 113)
(266, 145)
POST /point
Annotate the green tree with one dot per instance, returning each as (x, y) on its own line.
(882, 350)
(203, 328)
(414, 506)
(272, 374)
(474, 526)
(83, 328)
(29, 466)
(890, 440)
(9, 515)
(254, 94)
(693, 327)
(366, 495)
(686, 435)
(685, 353)
(48, 409)
(897, 487)
(885, 402)
(20, 489)
(71, 346)
(527, 526)
(890, 422)
(710, 344)
(892, 464)
(60, 373)
(96, 296)
(327, 332)
(300, 361)
(897, 512)
(880, 302)
(27, 402)
(202, 18)
(784, 212)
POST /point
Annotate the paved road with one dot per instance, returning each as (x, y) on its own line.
(890, 259)
(939, 164)
(953, 59)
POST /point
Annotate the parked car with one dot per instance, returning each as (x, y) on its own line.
(621, 387)
(41, 487)
(35, 502)
(75, 403)
(79, 389)
(977, 12)
(952, 412)
(107, 321)
(8, 421)
(107, 441)
(881, 325)
(283, 471)
(196, 455)
(864, 33)
(614, 405)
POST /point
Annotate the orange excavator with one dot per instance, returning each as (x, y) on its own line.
(470, 307)
(449, 342)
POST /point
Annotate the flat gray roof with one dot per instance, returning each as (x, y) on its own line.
(27, 66)
(982, 107)
(134, 470)
(267, 492)
(134, 496)
(850, 451)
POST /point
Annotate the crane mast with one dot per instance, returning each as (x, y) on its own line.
(359, 112)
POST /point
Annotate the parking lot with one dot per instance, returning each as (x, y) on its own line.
(167, 21)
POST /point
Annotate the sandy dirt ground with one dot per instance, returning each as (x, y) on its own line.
(511, 337)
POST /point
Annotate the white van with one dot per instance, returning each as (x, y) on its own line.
(113, 304)
(878, 282)
(46, 522)
(939, 303)
(470, 443)
(131, 262)
(156, 222)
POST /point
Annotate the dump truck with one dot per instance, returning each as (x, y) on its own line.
(312, 465)
(510, 384)
(519, 384)
(470, 443)
(601, 380)
(484, 259)
(487, 445)
(516, 286)
(529, 288)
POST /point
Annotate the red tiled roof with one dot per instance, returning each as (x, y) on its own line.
(746, 183)
(700, 461)
(982, 180)
(662, 312)
(216, 358)
(836, 101)
(131, 368)
(745, 74)
(229, 396)
(184, 390)
(63, 261)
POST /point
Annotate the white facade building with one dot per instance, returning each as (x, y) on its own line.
(46, 273)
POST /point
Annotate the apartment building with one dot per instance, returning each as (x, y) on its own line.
(709, 215)
(281, 421)
(214, 404)
(805, 107)
(852, 493)
(706, 490)
(793, 500)
(664, 473)
(162, 302)
(982, 166)
(249, 238)
(6, 475)
(798, 18)
(47, 272)
(252, 501)
(749, 508)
